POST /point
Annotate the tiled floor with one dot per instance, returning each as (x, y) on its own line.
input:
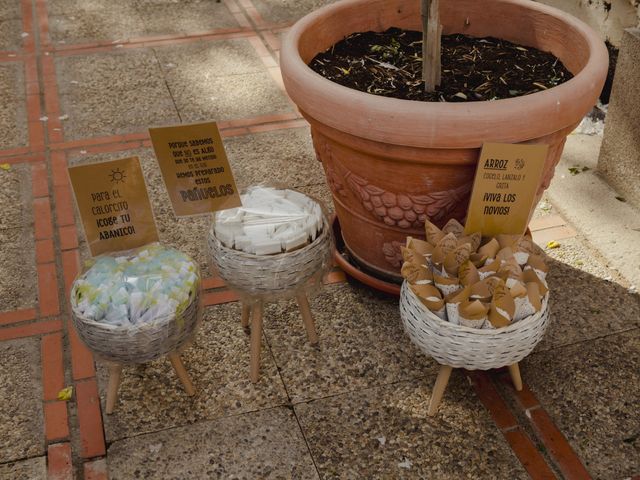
(81, 81)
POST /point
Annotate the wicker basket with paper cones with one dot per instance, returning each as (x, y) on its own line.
(474, 303)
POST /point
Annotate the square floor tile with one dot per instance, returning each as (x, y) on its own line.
(287, 11)
(151, 397)
(13, 115)
(21, 424)
(15, 197)
(385, 433)
(362, 344)
(17, 264)
(79, 21)
(584, 305)
(282, 156)
(592, 392)
(220, 80)
(109, 94)
(31, 469)
(186, 17)
(265, 444)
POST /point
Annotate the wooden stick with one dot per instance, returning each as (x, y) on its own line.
(514, 371)
(178, 366)
(115, 371)
(246, 312)
(438, 389)
(307, 318)
(256, 341)
(431, 33)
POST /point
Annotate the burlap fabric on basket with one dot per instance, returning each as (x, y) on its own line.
(271, 275)
(463, 347)
(140, 343)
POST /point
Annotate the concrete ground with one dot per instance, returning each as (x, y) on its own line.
(82, 80)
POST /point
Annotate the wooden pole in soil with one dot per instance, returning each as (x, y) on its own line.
(431, 33)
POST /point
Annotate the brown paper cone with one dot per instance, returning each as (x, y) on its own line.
(507, 240)
(504, 254)
(420, 246)
(489, 269)
(480, 291)
(489, 249)
(430, 297)
(446, 245)
(503, 300)
(533, 292)
(473, 313)
(492, 282)
(478, 260)
(518, 290)
(529, 276)
(468, 273)
(452, 303)
(536, 262)
(446, 285)
(453, 226)
(409, 255)
(434, 234)
(453, 260)
(511, 272)
(474, 240)
(417, 274)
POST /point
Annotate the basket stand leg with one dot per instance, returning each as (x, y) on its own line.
(256, 341)
(438, 389)
(514, 371)
(307, 318)
(115, 371)
(178, 366)
(246, 313)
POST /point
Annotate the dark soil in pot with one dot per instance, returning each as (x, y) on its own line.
(473, 69)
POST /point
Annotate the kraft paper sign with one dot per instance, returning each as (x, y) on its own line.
(505, 188)
(114, 205)
(195, 168)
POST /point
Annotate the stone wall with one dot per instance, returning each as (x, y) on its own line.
(609, 17)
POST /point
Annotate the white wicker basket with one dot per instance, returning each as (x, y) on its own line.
(271, 275)
(142, 343)
(463, 347)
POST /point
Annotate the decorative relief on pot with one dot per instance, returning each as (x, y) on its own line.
(405, 210)
(335, 182)
(392, 253)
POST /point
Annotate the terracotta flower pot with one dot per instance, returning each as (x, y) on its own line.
(393, 163)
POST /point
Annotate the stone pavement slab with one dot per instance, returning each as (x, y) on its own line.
(10, 25)
(586, 302)
(21, 424)
(10, 34)
(265, 444)
(592, 392)
(385, 432)
(220, 80)
(15, 196)
(76, 21)
(113, 93)
(287, 11)
(283, 156)
(97, 22)
(362, 344)
(183, 17)
(17, 264)
(13, 115)
(611, 226)
(151, 397)
(30, 469)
